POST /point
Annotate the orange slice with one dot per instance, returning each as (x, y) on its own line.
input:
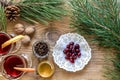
(24, 69)
(13, 40)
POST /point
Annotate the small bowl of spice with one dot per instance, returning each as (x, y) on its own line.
(40, 49)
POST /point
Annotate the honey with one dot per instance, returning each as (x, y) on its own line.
(45, 69)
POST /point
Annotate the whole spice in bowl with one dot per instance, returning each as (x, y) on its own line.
(40, 49)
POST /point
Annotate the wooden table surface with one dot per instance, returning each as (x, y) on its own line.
(93, 71)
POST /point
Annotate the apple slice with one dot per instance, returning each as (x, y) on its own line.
(24, 69)
(12, 40)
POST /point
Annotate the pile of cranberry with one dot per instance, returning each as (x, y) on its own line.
(72, 52)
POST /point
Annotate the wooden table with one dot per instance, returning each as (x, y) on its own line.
(93, 71)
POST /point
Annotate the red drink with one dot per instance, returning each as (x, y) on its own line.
(13, 61)
(4, 37)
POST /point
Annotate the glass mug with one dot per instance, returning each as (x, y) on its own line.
(12, 48)
(10, 61)
(3, 38)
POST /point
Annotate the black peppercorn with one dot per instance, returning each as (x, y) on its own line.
(41, 48)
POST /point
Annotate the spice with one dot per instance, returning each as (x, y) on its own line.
(41, 48)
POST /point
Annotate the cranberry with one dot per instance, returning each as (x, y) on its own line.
(71, 47)
(72, 52)
(71, 43)
(77, 50)
(68, 54)
(79, 54)
(77, 46)
(71, 57)
(75, 57)
(68, 46)
(66, 50)
(67, 58)
(72, 60)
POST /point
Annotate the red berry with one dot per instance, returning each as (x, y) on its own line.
(71, 43)
(68, 46)
(71, 57)
(71, 47)
(67, 58)
(72, 51)
(75, 57)
(79, 54)
(77, 50)
(68, 54)
(66, 50)
(77, 46)
(72, 60)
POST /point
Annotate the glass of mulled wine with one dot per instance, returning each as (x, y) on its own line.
(12, 48)
(3, 38)
(9, 62)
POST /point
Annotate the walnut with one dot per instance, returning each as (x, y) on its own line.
(29, 30)
(26, 40)
(19, 28)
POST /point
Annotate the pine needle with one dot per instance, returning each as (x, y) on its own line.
(101, 19)
(2, 19)
(41, 10)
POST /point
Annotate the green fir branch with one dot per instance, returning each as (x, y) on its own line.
(41, 10)
(101, 19)
(98, 20)
(3, 20)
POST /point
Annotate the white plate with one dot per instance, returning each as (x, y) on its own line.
(59, 56)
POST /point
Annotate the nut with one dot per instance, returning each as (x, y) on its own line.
(29, 30)
(26, 39)
(19, 28)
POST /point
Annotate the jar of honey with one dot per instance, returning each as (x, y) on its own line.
(45, 69)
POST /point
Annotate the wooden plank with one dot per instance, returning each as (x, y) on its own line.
(93, 71)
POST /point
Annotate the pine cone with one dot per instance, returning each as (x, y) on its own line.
(12, 12)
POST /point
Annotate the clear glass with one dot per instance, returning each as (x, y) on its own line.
(4, 35)
(14, 47)
(8, 50)
(51, 35)
(12, 60)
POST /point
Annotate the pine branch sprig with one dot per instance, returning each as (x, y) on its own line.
(2, 19)
(97, 21)
(41, 10)
(101, 19)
